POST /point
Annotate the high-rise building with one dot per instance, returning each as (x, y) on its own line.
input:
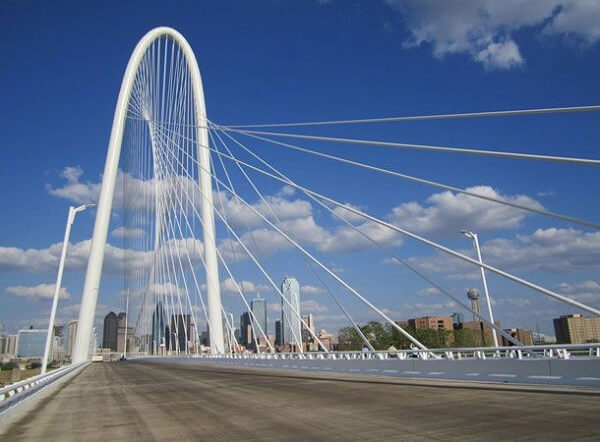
(278, 333)
(158, 329)
(525, 337)
(482, 332)
(290, 311)
(308, 333)
(72, 334)
(124, 329)
(577, 329)
(431, 323)
(327, 339)
(58, 330)
(8, 345)
(259, 310)
(457, 318)
(110, 331)
(180, 333)
(31, 343)
(245, 330)
(229, 330)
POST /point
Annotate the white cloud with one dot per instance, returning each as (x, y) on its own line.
(447, 213)
(130, 192)
(74, 190)
(578, 18)
(501, 55)
(485, 29)
(345, 239)
(307, 289)
(312, 306)
(287, 190)
(166, 289)
(46, 260)
(127, 232)
(429, 291)
(40, 291)
(349, 215)
(586, 291)
(228, 286)
(552, 250)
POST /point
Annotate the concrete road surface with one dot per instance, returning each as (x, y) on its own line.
(145, 402)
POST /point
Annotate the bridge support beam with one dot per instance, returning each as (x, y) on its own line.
(91, 287)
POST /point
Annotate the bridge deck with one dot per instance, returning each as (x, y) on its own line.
(144, 401)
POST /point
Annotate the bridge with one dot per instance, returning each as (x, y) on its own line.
(170, 174)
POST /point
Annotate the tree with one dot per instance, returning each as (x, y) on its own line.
(466, 338)
(349, 339)
(379, 335)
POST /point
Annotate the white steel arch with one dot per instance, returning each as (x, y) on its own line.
(105, 202)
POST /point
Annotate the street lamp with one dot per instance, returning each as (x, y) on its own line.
(72, 212)
(473, 236)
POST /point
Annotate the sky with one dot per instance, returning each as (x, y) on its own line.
(284, 61)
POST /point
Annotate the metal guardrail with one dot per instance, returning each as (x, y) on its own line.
(13, 393)
(557, 351)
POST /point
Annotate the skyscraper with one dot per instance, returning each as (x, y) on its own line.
(245, 330)
(109, 335)
(124, 330)
(290, 311)
(180, 333)
(72, 334)
(259, 309)
(158, 329)
(307, 333)
(278, 333)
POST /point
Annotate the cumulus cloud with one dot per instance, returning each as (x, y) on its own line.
(38, 292)
(429, 291)
(74, 190)
(552, 249)
(228, 287)
(349, 215)
(307, 289)
(577, 18)
(127, 232)
(442, 214)
(447, 213)
(486, 29)
(166, 289)
(287, 190)
(586, 291)
(46, 259)
(312, 306)
(347, 240)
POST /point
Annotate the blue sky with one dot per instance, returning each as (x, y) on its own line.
(271, 61)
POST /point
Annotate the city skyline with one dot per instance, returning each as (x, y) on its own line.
(313, 220)
(376, 71)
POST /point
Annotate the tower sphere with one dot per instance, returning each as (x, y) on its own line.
(473, 294)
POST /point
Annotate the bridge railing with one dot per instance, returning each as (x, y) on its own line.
(17, 391)
(558, 351)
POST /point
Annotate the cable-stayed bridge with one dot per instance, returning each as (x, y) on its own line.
(189, 193)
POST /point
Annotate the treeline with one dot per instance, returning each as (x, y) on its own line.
(383, 336)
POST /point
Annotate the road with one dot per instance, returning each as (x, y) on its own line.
(146, 401)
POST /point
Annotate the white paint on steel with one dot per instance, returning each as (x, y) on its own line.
(61, 266)
(96, 257)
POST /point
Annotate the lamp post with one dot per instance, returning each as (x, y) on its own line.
(473, 236)
(72, 212)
